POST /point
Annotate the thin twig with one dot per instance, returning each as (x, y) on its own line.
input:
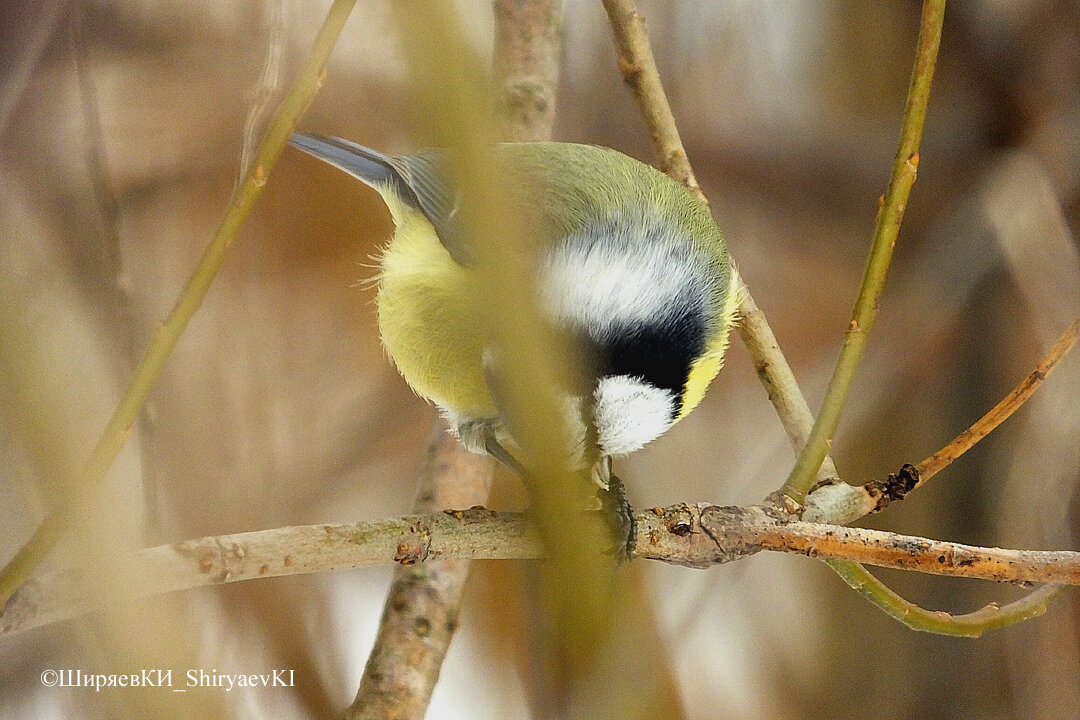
(168, 332)
(878, 494)
(779, 381)
(639, 70)
(999, 413)
(698, 535)
(890, 215)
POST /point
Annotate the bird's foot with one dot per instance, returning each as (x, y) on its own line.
(619, 516)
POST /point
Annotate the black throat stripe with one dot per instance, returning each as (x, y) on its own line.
(660, 353)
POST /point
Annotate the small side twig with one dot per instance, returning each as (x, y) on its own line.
(999, 413)
(971, 625)
(878, 494)
(638, 68)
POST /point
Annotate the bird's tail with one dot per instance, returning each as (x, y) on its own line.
(363, 163)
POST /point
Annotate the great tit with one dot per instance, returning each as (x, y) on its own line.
(628, 263)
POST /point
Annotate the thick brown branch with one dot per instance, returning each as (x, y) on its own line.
(905, 552)
(699, 536)
(469, 534)
(528, 41)
(404, 665)
(703, 535)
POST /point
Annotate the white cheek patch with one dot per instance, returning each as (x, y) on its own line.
(608, 281)
(630, 413)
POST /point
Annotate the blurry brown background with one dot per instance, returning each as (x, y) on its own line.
(122, 128)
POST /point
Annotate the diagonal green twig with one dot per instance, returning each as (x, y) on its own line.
(887, 227)
(168, 332)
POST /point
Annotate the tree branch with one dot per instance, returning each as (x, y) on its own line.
(404, 664)
(972, 625)
(843, 504)
(703, 535)
(471, 534)
(999, 413)
(638, 69)
(697, 536)
(832, 501)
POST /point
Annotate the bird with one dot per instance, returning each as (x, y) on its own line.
(628, 263)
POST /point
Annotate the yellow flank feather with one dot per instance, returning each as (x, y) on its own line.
(428, 317)
(706, 367)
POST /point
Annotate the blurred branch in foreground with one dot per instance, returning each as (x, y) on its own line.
(404, 665)
(169, 331)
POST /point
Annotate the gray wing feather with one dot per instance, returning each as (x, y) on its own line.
(420, 180)
(427, 174)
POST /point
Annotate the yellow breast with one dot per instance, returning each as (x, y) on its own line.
(428, 318)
